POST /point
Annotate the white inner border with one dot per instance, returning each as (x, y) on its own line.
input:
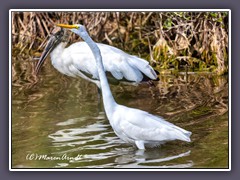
(113, 10)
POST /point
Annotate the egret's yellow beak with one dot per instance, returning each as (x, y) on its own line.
(67, 26)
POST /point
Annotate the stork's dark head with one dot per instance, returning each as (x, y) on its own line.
(57, 36)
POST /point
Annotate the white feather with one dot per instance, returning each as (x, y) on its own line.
(118, 63)
(136, 124)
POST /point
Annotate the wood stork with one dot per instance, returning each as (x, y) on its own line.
(77, 60)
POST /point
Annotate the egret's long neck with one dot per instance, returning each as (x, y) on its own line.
(108, 100)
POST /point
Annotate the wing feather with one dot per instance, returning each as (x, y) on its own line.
(118, 63)
(147, 127)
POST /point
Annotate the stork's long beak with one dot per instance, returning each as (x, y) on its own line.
(51, 44)
(67, 26)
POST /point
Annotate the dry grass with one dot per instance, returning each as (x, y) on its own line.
(167, 39)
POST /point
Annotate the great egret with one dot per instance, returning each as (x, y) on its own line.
(77, 60)
(131, 125)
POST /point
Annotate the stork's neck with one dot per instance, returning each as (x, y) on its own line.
(108, 100)
(57, 51)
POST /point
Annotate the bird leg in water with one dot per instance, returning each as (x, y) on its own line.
(140, 144)
(99, 98)
(99, 94)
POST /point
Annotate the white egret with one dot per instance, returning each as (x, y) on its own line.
(77, 60)
(131, 125)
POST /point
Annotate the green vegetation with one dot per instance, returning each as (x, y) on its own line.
(169, 40)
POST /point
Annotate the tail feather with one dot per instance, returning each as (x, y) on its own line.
(143, 66)
(184, 135)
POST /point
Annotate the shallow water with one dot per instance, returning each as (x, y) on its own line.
(57, 121)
